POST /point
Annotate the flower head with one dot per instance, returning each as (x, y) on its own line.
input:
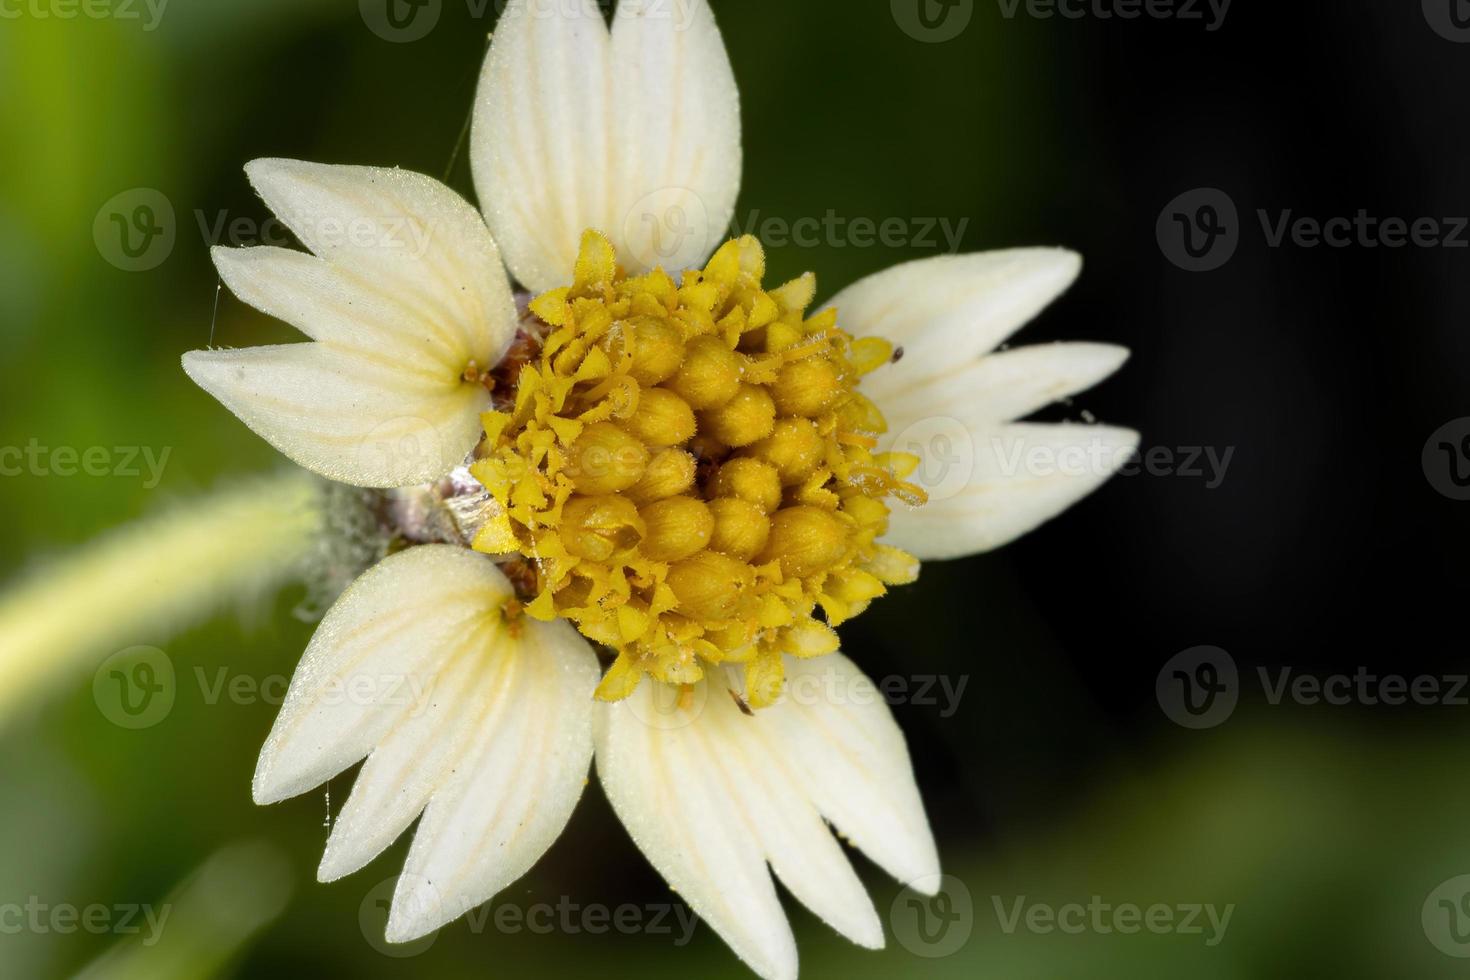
(692, 470)
(647, 453)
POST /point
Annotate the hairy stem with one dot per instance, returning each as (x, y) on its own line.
(155, 577)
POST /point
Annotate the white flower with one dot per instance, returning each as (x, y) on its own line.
(483, 719)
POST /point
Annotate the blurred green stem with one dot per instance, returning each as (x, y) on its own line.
(206, 922)
(154, 577)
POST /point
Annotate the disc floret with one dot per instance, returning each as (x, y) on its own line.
(691, 472)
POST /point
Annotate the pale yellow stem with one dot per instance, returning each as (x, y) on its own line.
(139, 584)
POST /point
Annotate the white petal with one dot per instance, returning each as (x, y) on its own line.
(678, 178)
(510, 793)
(390, 634)
(855, 763)
(682, 812)
(409, 236)
(636, 134)
(408, 765)
(348, 415)
(948, 310)
(491, 731)
(332, 305)
(710, 795)
(540, 145)
(947, 398)
(405, 291)
(1003, 386)
(1020, 477)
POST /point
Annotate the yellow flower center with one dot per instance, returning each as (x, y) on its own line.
(690, 470)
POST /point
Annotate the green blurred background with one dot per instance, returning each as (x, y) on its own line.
(1055, 778)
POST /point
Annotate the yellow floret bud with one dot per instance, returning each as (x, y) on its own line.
(662, 419)
(806, 541)
(711, 586)
(795, 449)
(605, 459)
(710, 374)
(669, 474)
(765, 676)
(808, 387)
(741, 528)
(748, 417)
(752, 480)
(596, 528)
(676, 528)
(658, 349)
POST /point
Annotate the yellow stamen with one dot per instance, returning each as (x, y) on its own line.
(692, 472)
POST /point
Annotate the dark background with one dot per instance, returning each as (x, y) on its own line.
(1058, 775)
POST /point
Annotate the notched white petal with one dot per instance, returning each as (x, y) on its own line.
(1004, 386)
(711, 796)
(855, 763)
(350, 415)
(405, 234)
(951, 309)
(678, 179)
(656, 765)
(389, 635)
(330, 304)
(489, 729)
(513, 784)
(409, 763)
(634, 133)
(405, 291)
(997, 481)
(1023, 475)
